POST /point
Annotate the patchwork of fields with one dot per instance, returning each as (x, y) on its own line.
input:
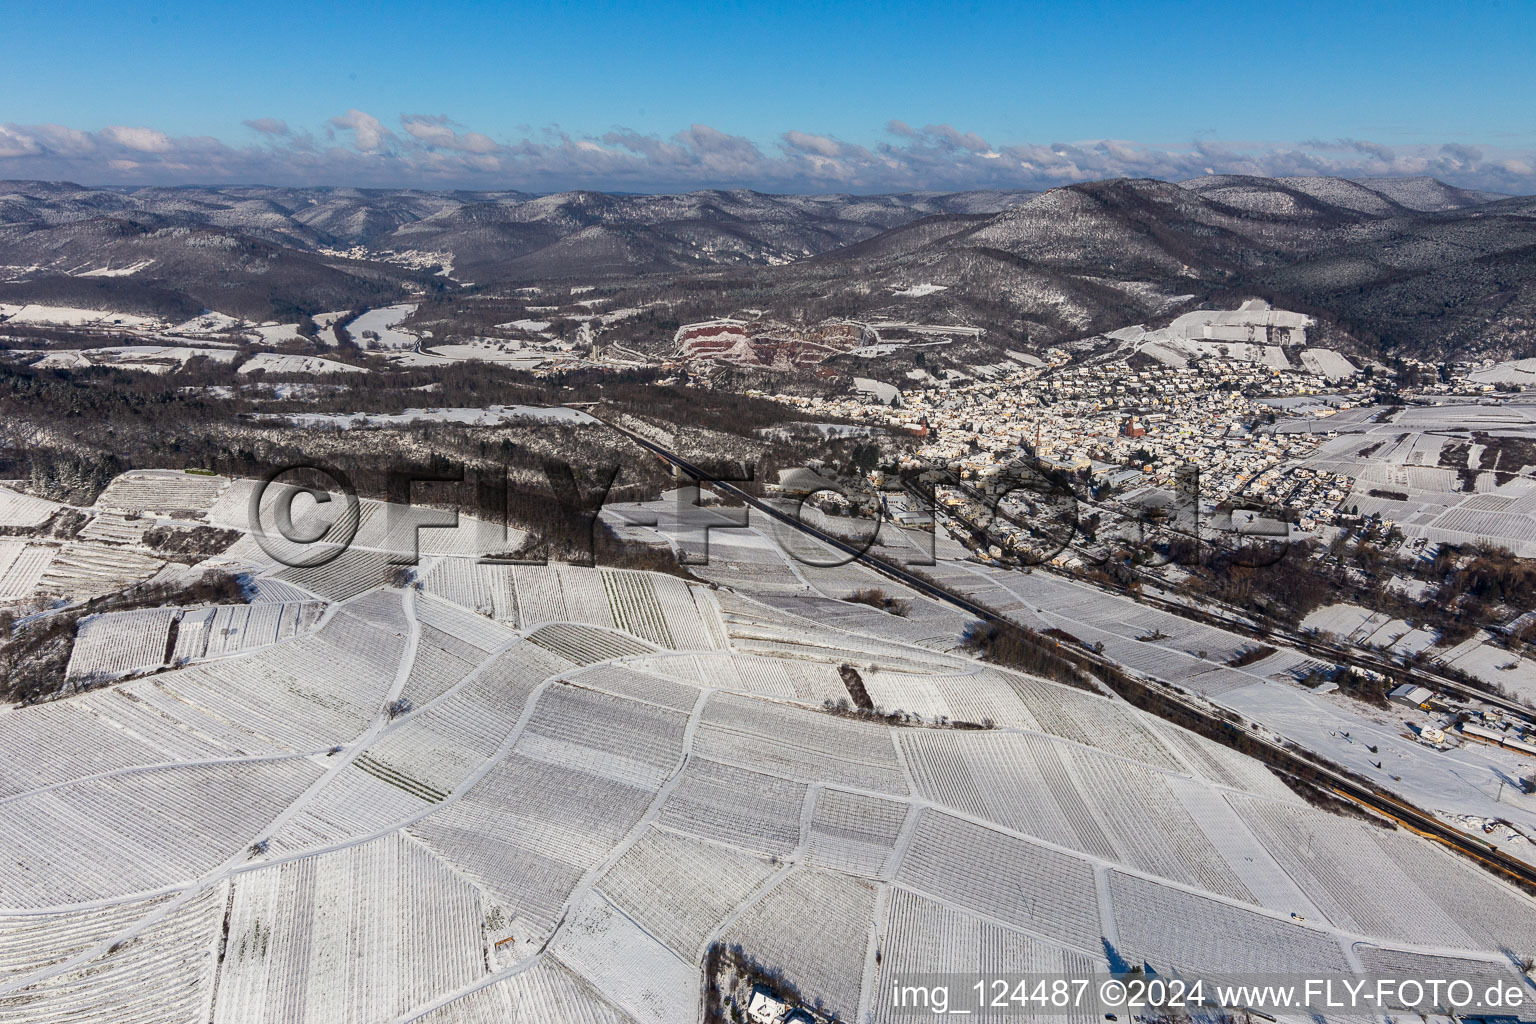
(1455, 473)
(541, 793)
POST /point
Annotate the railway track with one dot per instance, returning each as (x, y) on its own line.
(1340, 655)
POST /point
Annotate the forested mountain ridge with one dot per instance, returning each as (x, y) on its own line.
(1409, 264)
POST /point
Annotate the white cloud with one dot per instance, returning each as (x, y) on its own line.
(16, 143)
(817, 144)
(436, 130)
(957, 139)
(140, 140)
(268, 126)
(368, 133)
(55, 138)
(433, 151)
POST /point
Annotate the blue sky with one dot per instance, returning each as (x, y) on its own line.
(1182, 84)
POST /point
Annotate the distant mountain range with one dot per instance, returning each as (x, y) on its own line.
(1409, 264)
(173, 236)
(1413, 266)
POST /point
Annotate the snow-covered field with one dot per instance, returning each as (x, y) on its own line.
(490, 415)
(166, 491)
(1367, 628)
(276, 362)
(117, 643)
(1325, 362)
(276, 334)
(69, 316)
(210, 322)
(1402, 470)
(520, 354)
(219, 630)
(17, 509)
(91, 570)
(547, 790)
(531, 326)
(1492, 664)
(149, 358)
(1516, 371)
(127, 270)
(21, 567)
(383, 322)
(881, 390)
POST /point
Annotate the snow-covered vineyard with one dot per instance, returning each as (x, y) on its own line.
(492, 792)
(1437, 472)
